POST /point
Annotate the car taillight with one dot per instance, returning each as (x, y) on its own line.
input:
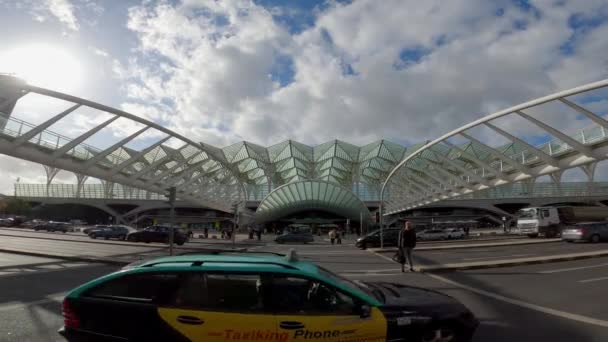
(70, 318)
(582, 230)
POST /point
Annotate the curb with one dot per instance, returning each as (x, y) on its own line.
(473, 245)
(99, 242)
(498, 264)
(96, 260)
(118, 242)
(473, 240)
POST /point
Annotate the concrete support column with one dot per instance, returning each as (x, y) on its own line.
(556, 177)
(589, 170)
(80, 180)
(108, 189)
(51, 172)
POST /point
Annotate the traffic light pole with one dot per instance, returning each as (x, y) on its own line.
(172, 227)
(171, 194)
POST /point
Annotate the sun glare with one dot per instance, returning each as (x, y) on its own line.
(43, 65)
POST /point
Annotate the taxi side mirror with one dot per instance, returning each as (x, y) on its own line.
(365, 311)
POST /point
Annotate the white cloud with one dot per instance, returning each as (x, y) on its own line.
(99, 52)
(474, 63)
(63, 10)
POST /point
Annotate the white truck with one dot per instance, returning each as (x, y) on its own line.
(549, 221)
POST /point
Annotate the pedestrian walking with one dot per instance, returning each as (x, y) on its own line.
(258, 232)
(332, 236)
(407, 243)
(339, 237)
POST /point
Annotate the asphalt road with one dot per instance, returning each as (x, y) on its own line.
(512, 303)
(31, 291)
(446, 256)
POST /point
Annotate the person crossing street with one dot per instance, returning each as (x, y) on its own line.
(406, 244)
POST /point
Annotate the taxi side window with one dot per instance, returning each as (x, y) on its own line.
(139, 287)
(300, 296)
(220, 292)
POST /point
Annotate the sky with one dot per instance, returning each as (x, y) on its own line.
(269, 70)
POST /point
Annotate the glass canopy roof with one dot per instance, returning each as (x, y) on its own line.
(311, 195)
(353, 167)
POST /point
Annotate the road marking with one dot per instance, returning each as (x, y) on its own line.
(554, 312)
(559, 270)
(382, 256)
(358, 275)
(376, 270)
(498, 257)
(592, 280)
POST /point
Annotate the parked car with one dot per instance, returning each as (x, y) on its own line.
(53, 226)
(432, 234)
(89, 229)
(592, 232)
(373, 239)
(295, 237)
(157, 234)
(249, 297)
(31, 224)
(455, 233)
(111, 232)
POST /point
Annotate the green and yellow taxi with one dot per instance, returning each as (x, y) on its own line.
(255, 297)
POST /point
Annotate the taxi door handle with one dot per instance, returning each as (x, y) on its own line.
(190, 320)
(291, 325)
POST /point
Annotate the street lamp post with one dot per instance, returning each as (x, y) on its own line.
(381, 219)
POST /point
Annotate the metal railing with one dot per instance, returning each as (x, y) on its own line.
(515, 190)
(539, 190)
(87, 191)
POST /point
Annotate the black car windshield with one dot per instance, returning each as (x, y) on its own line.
(351, 284)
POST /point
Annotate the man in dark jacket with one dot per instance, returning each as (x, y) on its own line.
(407, 243)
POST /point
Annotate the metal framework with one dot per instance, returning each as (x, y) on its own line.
(459, 163)
(456, 164)
(200, 174)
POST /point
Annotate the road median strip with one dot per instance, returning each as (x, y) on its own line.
(468, 245)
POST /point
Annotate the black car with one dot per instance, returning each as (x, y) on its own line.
(157, 234)
(111, 232)
(373, 239)
(295, 237)
(54, 227)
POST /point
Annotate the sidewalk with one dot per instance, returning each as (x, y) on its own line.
(513, 262)
(469, 245)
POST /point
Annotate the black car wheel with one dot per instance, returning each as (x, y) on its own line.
(106, 237)
(595, 238)
(363, 245)
(93, 236)
(122, 237)
(132, 238)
